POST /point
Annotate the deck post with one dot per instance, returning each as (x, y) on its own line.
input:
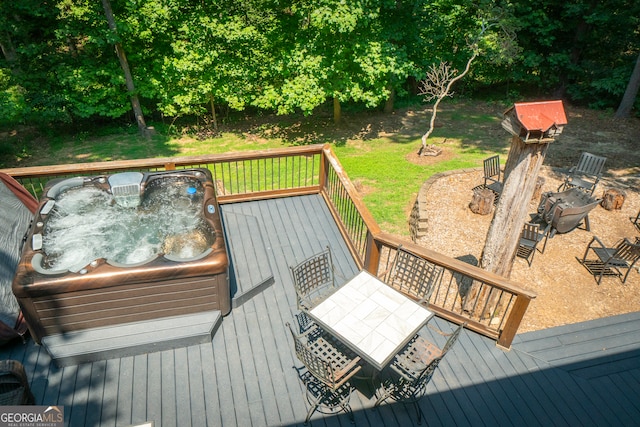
(324, 167)
(372, 254)
(513, 322)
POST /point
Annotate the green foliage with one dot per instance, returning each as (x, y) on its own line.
(339, 51)
(584, 49)
(186, 58)
(214, 61)
(13, 106)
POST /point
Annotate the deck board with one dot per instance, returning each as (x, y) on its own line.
(247, 249)
(109, 408)
(246, 376)
(154, 384)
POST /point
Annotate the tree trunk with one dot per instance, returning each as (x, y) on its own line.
(626, 105)
(388, 104)
(135, 102)
(432, 123)
(482, 201)
(9, 52)
(582, 28)
(613, 199)
(521, 174)
(440, 96)
(213, 112)
(337, 111)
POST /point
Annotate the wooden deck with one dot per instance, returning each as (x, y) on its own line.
(583, 374)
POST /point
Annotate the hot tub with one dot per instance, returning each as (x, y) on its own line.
(113, 249)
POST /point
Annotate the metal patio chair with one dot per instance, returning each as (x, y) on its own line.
(410, 372)
(329, 367)
(636, 221)
(586, 174)
(530, 237)
(313, 279)
(611, 260)
(492, 175)
(14, 387)
(413, 275)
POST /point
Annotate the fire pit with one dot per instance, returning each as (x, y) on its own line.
(566, 210)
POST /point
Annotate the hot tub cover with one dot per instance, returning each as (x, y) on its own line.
(17, 208)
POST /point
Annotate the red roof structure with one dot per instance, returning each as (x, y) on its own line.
(540, 121)
(540, 116)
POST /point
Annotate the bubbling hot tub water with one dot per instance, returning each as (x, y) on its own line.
(88, 223)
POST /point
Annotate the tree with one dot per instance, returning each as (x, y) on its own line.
(626, 105)
(214, 57)
(440, 78)
(520, 177)
(188, 58)
(437, 86)
(30, 91)
(581, 50)
(336, 51)
(135, 102)
(89, 79)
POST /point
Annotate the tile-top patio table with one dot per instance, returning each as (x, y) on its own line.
(371, 318)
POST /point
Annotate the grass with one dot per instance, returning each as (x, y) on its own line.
(391, 183)
(376, 159)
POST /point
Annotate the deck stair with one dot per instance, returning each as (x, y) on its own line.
(131, 339)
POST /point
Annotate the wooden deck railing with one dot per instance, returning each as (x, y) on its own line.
(496, 310)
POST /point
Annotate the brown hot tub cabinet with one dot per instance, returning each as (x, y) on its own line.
(105, 293)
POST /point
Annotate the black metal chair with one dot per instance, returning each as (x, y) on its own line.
(586, 174)
(313, 279)
(409, 374)
(611, 260)
(305, 323)
(413, 275)
(636, 220)
(14, 387)
(492, 175)
(530, 237)
(329, 367)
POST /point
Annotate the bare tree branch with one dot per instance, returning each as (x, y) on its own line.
(441, 77)
(437, 85)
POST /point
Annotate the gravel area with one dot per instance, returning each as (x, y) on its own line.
(566, 292)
